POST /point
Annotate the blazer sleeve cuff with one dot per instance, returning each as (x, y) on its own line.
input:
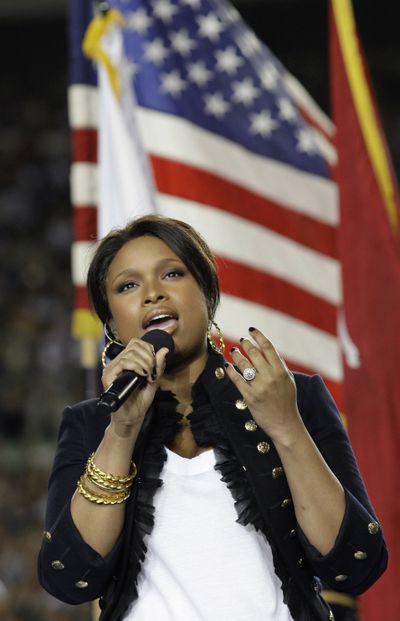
(359, 555)
(69, 568)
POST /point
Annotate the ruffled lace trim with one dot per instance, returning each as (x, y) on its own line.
(207, 432)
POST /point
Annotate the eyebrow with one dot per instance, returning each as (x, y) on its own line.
(130, 271)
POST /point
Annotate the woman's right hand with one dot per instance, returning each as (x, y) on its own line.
(138, 356)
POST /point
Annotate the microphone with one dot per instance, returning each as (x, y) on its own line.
(129, 381)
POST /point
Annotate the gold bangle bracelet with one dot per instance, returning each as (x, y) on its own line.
(101, 499)
(112, 478)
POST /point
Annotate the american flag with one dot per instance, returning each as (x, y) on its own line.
(237, 148)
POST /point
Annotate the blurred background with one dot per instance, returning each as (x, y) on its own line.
(39, 362)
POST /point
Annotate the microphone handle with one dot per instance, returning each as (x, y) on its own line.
(123, 386)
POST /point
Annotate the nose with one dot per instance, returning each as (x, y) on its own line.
(153, 293)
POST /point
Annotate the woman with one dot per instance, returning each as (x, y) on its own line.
(247, 493)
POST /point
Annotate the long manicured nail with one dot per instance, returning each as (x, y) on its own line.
(233, 350)
(251, 329)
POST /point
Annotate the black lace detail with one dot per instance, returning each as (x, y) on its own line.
(164, 427)
(207, 432)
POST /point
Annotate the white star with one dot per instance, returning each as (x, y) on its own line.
(262, 123)
(198, 73)
(210, 26)
(155, 51)
(269, 75)
(164, 10)
(172, 83)
(216, 105)
(306, 141)
(194, 4)
(245, 92)
(182, 43)
(287, 111)
(228, 60)
(139, 21)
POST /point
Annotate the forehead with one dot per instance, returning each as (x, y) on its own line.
(141, 252)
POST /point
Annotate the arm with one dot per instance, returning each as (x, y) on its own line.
(329, 498)
(318, 496)
(77, 562)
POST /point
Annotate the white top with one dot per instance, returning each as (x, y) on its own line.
(202, 565)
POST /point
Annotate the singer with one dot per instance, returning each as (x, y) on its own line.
(216, 491)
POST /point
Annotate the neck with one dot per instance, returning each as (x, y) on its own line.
(181, 378)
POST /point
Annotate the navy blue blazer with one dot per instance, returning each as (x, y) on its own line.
(72, 571)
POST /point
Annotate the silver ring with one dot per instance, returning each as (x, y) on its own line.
(249, 374)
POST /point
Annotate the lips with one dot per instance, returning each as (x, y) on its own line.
(160, 319)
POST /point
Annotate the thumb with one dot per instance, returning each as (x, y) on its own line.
(160, 361)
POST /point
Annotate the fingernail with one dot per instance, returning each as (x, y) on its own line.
(144, 371)
(233, 350)
(226, 365)
(242, 339)
(154, 374)
(251, 329)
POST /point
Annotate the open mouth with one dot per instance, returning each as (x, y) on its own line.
(161, 321)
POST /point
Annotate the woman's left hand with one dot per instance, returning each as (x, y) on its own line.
(271, 395)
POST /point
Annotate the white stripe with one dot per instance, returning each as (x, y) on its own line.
(254, 245)
(84, 184)
(301, 343)
(83, 106)
(81, 255)
(172, 137)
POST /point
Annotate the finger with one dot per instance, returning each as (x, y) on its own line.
(252, 358)
(139, 362)
(237, 379)
(265, 347)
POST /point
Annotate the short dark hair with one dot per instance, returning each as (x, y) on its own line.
(182, 238)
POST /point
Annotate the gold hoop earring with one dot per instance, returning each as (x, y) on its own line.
(111, 341)
(220, 348)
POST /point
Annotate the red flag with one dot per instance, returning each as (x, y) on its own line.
(369, 250)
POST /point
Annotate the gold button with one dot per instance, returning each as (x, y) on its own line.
(263, 447)
(241, 404)
(81, 584)
(47, 536)
(360, 555)
(373, 528)
(250, 425)
(286, 503)
(57, 565)
(277, 472)
(219, 373)
(341, 578)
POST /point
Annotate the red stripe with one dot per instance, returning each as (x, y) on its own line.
(84, 145)
(194, 184)
(81, 298)
(85, 223)
(262, 288)
(335, 388)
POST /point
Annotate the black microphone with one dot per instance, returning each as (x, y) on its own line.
(129, 381)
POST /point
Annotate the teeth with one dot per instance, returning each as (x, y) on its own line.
(159, 318)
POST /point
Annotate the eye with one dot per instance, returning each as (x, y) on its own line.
(125, 286)
(173, 274)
